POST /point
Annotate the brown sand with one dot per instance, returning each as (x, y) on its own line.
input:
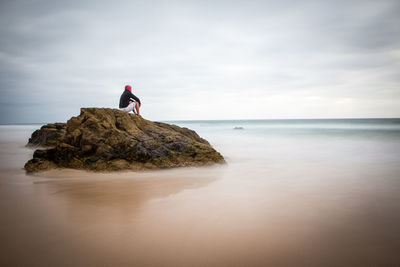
(193, 217)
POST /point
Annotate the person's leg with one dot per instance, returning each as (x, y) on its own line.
(137, 106)
(132, 107)
(129, 108)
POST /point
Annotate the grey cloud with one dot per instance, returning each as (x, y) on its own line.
(65, 55)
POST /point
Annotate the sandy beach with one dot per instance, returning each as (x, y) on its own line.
(275, 207)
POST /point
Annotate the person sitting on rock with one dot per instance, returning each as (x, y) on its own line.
(129, 102)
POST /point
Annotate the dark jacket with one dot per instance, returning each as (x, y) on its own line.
(125, 97)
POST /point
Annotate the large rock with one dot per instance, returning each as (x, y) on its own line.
(103, 139)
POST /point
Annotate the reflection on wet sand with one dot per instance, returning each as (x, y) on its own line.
(72, 217)
(123, 189)
(198, 217)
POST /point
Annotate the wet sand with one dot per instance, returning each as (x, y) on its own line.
(193, 217)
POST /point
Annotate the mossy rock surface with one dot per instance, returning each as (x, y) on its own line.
(103, 139)
(48, 135)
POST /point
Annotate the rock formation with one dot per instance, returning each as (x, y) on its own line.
(48, 135)
(103, 139)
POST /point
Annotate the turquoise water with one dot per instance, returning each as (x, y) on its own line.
(301, 127)
(374, 140)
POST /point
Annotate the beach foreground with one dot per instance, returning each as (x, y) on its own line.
(289, 196)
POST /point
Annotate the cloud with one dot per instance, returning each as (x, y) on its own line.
(200, 59)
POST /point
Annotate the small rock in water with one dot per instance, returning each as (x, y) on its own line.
(238, 128)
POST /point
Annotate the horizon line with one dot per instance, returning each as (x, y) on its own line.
(187, 120)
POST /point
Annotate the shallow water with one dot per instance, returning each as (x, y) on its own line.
(294, 193)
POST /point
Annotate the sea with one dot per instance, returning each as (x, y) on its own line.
(301, 192)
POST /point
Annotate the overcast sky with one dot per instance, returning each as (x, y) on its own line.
(200, 59)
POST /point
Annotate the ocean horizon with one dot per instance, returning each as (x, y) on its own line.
(234, 120)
